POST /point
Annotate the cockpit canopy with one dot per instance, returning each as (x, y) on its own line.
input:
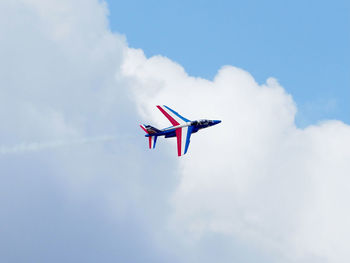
(202, 122)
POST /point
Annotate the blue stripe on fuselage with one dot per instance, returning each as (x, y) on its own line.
(168, 132)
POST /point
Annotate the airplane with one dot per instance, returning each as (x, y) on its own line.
(182, 128)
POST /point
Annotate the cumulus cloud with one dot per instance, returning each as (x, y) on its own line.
(254, 188)
(255, 177)
(60, 81)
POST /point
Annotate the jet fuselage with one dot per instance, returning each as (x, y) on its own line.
(197, 125)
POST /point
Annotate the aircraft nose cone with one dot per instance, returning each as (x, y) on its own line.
(216, 122)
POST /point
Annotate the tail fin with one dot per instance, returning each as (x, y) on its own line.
(149, 129)
(151, 139)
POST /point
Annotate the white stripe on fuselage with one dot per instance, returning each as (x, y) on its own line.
(178, 126)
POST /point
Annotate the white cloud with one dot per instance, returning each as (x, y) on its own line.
(255, 181)
(256, 176)
(60, 82)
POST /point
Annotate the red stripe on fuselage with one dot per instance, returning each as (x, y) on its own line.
(171, 119)
(178, 136)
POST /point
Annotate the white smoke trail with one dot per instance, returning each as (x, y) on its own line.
(38, 146)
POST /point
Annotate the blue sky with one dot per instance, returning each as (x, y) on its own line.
(304, 44)
(78, 182)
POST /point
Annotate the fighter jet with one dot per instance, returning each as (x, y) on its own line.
(182, 128)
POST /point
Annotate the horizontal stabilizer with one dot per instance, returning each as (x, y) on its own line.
(152, 141)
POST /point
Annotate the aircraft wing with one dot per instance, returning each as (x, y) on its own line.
(173, 116)
(183, 139)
